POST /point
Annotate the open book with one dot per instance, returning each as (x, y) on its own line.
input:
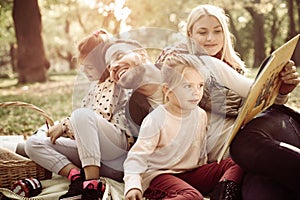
(265, 88)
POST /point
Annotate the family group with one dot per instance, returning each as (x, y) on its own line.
(160, 126)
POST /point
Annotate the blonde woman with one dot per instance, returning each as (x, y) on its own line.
(261, 147)
(213, 35)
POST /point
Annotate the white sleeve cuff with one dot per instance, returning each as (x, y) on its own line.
(281, 99)
(132, 181)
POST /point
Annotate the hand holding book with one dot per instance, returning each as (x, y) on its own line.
(290, 78)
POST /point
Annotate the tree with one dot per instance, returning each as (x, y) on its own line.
(292, 8)
(258, 33)
(32, 63)
(66, 53)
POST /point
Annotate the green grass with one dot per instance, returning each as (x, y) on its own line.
(55, 98)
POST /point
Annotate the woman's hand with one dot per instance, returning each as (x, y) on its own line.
(134, 194)
(290, 78)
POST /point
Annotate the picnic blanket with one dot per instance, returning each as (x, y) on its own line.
(59, 185)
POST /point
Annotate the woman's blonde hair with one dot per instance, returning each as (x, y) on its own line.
(228, 53)
(174, 68)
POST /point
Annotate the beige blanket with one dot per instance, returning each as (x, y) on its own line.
(58, 185)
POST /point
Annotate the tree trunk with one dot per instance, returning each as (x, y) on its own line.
(292, 26)
(237, 44)
(297, 52)
(32, 63)
(258, 35)
(65, 53)
(13, 57)
(298, 11)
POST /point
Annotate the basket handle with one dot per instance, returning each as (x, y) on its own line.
(49, 120)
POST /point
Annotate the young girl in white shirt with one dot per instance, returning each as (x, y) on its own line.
(169, 158)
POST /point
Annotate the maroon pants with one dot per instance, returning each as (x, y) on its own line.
(192, 184)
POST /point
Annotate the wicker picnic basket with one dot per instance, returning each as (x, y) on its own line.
(13, 166)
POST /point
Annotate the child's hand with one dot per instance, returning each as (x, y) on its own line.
(55, 132)
(134, 194)
(290, 78)
(60, 130)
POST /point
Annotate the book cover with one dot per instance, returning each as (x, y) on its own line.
(265, 88)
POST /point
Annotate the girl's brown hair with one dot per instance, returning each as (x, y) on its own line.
(86, 45)
(89, 43)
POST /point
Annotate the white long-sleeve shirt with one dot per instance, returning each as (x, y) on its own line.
(166, 144)
(226, 76)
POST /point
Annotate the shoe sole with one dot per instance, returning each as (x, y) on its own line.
(78, 197)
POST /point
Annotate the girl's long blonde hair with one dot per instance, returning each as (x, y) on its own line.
(228, 53)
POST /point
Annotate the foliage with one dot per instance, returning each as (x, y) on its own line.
(6, 35)
(65, 23)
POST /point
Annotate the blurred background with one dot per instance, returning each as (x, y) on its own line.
(38, 40)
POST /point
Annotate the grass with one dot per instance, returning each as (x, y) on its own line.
(55, 98)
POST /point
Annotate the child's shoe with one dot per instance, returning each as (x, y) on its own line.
(28, 187)
(75, 188)
(93, 190)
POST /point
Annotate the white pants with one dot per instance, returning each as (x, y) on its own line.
(97, 142)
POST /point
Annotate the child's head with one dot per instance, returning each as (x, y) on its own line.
(93, 68)
(208, 26)
(182, 81)
(86, 45)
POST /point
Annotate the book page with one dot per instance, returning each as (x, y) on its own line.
(265, 88)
